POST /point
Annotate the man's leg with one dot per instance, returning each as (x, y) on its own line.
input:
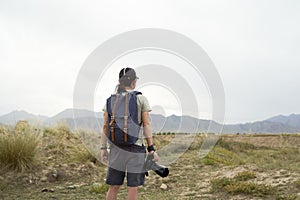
(132, 193)
(112, 193)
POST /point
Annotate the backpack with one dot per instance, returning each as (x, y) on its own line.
(123, 125)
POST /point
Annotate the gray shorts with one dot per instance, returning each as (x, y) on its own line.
(126, 161)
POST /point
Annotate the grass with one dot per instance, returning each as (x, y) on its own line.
(2, 186)
(287, 197)
(255, 189)
(66, 146)
(191, 176)
(3, 130)
(99, 188)
(219, 184)
(297, 183)
(19, 150)
(221, 155)
(245, 176)
(236, 186)
(265, 157)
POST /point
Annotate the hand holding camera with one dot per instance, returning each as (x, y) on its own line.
(150, 164)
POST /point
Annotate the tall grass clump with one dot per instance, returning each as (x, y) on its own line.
(235, 186)
(18, 150)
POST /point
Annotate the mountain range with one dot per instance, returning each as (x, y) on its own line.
(81, 119)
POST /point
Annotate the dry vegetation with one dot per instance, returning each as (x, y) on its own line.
(53, 163)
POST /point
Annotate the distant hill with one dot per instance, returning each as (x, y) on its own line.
(292, 120)
(81, 119)
(13, 117)
(260, 127)
(71, 113)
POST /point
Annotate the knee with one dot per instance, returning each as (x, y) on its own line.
(114, 188)
(132, 189)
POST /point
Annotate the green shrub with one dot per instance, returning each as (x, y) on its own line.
(99, 188)
(248, 188)
(236, 146)
(2, 186)
(208, 161)
(245, 176)
(219, 183)
(297, 183)
(18, 151)
(233, 186)
(222, 156)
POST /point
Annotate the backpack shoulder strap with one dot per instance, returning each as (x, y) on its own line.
(126, 117)
(136, 92)
(112, 122)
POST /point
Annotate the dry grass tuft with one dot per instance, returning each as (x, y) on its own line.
(19, 149)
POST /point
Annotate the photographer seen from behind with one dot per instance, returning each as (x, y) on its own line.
(125, 113)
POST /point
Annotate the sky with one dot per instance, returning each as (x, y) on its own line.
(254, 44)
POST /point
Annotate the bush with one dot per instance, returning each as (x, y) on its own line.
(248, 188)
(236, 147)
(245, 176)
(297, 183)
(233, 186)
(3, 130)
(99, 188)
(18, 151)
(221, 156)
(196, 144)
(220, 183)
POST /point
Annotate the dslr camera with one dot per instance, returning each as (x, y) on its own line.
(161, 170)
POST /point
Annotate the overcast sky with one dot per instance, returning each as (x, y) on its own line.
(255, 46)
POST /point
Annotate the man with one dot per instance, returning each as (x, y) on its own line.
(127, 149)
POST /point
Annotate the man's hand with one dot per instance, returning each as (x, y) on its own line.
(155, 156)
(104, 156)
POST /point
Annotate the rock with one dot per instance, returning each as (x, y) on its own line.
(61, 174)
(47, 190)
(65, 165)
(163, 186)
(52, 176)
(44, 179)
(56, 175)
(72, 187)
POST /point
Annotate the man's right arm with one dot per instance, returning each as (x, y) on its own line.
(148, 134)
